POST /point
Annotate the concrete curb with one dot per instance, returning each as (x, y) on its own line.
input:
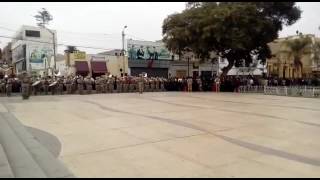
(52, 167)
(21, 162)
(5, 169)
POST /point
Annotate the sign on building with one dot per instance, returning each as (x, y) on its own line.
(79, 55)
(147, 50)
(40, 57)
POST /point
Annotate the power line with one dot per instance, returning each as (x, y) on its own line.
(7, 29)
(89, 47)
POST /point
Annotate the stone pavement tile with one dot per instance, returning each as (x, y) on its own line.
(252, 169)
(281, 139)
(299, 169)
(3, 108)
(206, 149)
(157, 130)
(136, 161)
(91, 140)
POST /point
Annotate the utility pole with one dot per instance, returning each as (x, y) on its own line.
(123, 57)
(54, 49)
(188, 66)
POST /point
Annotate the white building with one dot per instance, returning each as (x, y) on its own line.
(33, 49)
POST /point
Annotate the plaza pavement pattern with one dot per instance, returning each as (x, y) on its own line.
(175, 134)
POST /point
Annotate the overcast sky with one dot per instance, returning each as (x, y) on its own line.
(99, 24)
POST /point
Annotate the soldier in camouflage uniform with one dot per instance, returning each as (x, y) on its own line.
(45, 84)
(103, 84)
(80, 85)
(163, 81)
(157, 84)
(60, 86)
(9, 86)
(131, 84)
(141, 83)
(153, 85)
(118, 85)
(111, 84)
(125, 84)
(2, 86)
(146, 85)
(88, 83)
(97, 84)
(68, 84)
(25, 86)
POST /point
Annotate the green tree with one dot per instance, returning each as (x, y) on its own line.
(43, 17)
(236, 31)
(299, 47)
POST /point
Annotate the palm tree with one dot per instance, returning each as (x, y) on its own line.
(298, 47)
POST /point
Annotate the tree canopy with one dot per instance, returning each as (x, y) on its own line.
(236, 31)
(43, 17)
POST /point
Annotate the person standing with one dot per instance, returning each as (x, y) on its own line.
(140, 83)
(97, 84)
(25, 86)
(217, 83)
(88, 83)
(199, 82)
(111, 84)
(189, 83)
(9, 86)
(68, 84)
(80, 85)
(45, 83)
(2, 86)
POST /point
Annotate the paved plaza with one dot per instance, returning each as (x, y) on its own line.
(176, 134)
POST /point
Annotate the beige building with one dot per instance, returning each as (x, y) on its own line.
(95, 64)
(282, 62)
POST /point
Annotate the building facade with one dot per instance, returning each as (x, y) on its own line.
(33, 50)
(80, 63)
(282, 63)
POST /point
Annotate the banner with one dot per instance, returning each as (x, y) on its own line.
(147, 50)
(40, 57)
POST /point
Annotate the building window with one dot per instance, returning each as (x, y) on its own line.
(30, 33)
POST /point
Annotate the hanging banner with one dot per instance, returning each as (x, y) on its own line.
(40, 57)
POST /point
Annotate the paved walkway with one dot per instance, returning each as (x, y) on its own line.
(176, 134)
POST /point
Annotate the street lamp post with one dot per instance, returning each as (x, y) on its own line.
(123, 57)
(188, 66)
(54, 49)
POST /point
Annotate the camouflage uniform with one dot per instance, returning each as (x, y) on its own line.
(153, 85)
(67, 83)
(146, 85)
(45, 86)
(111, 85)
(80, 85)
(2, 86)
(25, 86)
(141, 83)
(97, 83)
(103, 85)
(88, 83)
(118, 85)
(9, 86)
